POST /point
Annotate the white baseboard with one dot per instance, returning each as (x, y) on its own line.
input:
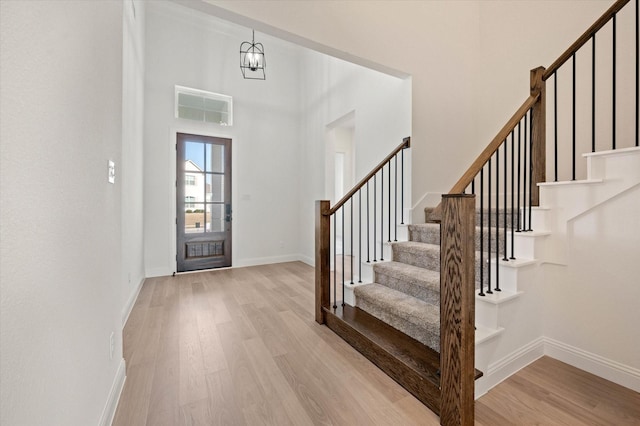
(613, 371)
(158, 272)
(597, 365)
(109, 410)
(308, 260)
(266, 260)
(509, 365)
(126, 310)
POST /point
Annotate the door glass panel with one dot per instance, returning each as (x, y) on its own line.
(194, 156)
(215, 217)
(215, 188)
(194, 218)
(215, 158)
(194, 185)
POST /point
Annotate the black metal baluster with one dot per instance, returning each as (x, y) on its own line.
(368, 227)
(382, 214)
(613, 113)
(335, 260)
(473, 186)
(573, 120)
(489, 229)
(530, 166)
(512, 196)
(497, 286)
(395, 199)
(519, 157)
(360, 235)
(593, 93)
(389, 212)
(351, 228)
(504, 207)
(481, 232)
(524, 170)
(342, 240)
(555, 131)
(402, 187)
(374, 219)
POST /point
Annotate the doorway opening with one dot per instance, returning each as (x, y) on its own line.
(340, 169)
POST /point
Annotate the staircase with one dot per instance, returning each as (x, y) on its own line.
(405, 292)
(418, 314)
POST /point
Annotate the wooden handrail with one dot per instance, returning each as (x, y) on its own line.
(406, 142)
(482, 159)
(601, 22)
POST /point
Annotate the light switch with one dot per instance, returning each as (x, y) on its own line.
(112, 172)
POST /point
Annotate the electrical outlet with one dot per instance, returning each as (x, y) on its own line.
(112, 344)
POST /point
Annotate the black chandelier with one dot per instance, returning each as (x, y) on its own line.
(252, 61)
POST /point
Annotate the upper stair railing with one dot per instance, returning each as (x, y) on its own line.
(592, 103)
(520, 149)
(363, 221)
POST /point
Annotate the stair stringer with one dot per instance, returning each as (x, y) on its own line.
(513, 313)
(522, 320)
(609, 174)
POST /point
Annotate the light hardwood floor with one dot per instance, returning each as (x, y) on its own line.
(240, 347)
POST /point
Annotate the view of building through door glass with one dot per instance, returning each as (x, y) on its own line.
(203, 202)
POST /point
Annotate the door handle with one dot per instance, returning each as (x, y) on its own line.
(227, 212)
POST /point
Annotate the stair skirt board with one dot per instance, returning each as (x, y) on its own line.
(410, 363)
(505, 367)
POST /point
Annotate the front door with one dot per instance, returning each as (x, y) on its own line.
(203, 202)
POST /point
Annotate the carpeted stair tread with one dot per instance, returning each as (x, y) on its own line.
(408, 314)
(430, 233)
(488, 214)
(421, 283)
(427, 256)
(422, 255)
(425, 233)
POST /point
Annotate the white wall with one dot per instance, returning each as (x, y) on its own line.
(381, 110)
(434, 42)
(185, 48)
(595, 308)
(132, 165)
(60, 272)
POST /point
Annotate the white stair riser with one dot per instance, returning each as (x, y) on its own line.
(403, 233)
(623, 163)
(487, 314)
(540, 219)
(349, 295)
(528, 245)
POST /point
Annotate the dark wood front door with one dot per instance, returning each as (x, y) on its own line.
(203, 191)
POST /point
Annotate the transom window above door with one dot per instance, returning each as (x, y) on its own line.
(200, 105)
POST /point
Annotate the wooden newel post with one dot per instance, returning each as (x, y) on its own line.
(323, 258)
(538, 133)
(457, 309)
